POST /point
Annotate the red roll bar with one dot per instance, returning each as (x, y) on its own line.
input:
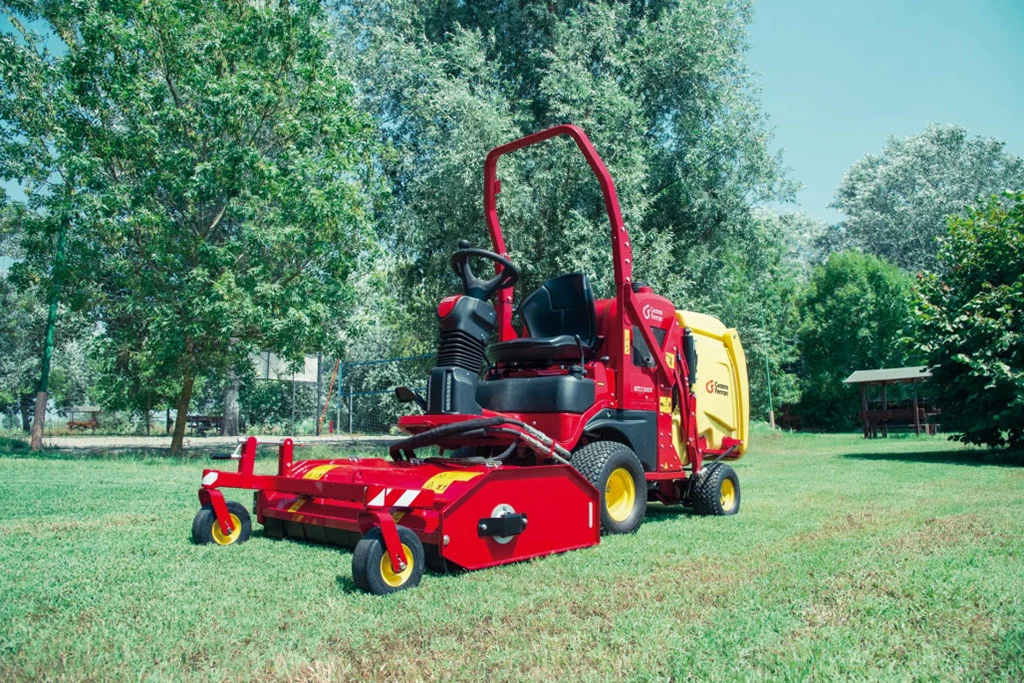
(622, 253)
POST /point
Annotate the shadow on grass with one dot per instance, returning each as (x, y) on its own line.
(656, 512)
(990, 458)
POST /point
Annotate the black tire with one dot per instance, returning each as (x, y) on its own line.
(608, 465)
(205, 528)
(717, 492)
(371, 568)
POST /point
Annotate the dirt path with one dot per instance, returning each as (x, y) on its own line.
(204, 443)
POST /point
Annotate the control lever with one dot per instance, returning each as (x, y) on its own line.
(406, 395)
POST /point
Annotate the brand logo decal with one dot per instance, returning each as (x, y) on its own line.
(714, 387)
(652, 313)
(643, 390)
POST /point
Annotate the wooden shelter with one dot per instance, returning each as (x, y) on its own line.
(878, 419)
(91, 415)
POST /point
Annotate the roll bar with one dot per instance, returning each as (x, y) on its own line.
(622, 253)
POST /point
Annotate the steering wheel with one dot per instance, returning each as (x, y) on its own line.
(474, 286)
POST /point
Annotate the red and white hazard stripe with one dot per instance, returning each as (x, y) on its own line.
(384, 497)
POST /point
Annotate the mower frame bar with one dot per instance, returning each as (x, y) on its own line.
(622, 251)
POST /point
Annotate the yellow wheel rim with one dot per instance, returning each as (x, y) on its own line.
(227, 539)
(619, 494)
(388, 574)
(728, 495)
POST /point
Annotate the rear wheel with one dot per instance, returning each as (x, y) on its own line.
(617, 474)
(206, 529)
(717, 492)
(371, 566)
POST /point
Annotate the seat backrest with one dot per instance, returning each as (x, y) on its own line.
(562, 305)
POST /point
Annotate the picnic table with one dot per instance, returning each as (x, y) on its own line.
(201, 424)
(91, 421)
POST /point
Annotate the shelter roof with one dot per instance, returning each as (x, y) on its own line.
(917, 373)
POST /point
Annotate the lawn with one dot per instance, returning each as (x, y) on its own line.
(898, 559)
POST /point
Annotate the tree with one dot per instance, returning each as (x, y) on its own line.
(762, 281)
(970, 317)
(22, 319)
(856, 309)
(661, 88)
(896, 203)
(205, 161)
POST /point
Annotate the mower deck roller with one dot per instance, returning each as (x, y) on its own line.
(589, 411)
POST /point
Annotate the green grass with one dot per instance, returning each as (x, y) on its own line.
(898, 559)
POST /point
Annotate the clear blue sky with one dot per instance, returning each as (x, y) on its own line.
(838, 77)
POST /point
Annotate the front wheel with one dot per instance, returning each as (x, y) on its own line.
(371, 566)
(206, 529)
(617, 474)
(717, 492)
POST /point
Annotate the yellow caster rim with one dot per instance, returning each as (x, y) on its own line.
(620, 494)
(389, 575)
(727, 496)
(227, 539)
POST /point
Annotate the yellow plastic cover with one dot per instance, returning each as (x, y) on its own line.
(723, 396)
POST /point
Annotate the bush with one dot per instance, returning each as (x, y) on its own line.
(855, 312)
(971, 324)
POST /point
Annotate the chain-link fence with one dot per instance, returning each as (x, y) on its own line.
(363, 400)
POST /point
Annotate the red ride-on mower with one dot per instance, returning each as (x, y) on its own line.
(592, 410)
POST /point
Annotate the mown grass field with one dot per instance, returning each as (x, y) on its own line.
(899, 559)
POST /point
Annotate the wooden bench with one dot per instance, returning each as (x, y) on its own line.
(82, 425)
(201, 424)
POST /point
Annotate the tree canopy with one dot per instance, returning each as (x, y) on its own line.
(896, 202)
(661, 88)
(205, 160)
(970, 317)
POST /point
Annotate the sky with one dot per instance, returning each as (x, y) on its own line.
(838, 77)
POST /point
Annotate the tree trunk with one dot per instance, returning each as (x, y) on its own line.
(229, 425)
(184, 399)
(39, 420)
(26, 412)
(149, 411)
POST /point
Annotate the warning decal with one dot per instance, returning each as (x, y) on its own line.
(440, 482)
(319, 471)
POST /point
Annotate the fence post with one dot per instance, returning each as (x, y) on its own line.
(319, 396)
(341, 393)
(350, 410)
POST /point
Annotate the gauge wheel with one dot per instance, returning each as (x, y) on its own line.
(371, 566)
(206, 529)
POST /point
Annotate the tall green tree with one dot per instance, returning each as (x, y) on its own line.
(763, 279)
(896, 202)
(970, 316)
(661, 88)
(205, 160)
(857, 309)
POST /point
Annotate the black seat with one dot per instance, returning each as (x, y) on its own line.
(555, 315)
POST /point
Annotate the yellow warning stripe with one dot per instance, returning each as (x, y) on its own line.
(319, 471)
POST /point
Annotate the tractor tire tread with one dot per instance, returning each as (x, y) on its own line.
(591, 461)
(706, 496)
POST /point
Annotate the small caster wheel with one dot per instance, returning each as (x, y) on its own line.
(718, 492)
(371, 566)
(205, 528)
